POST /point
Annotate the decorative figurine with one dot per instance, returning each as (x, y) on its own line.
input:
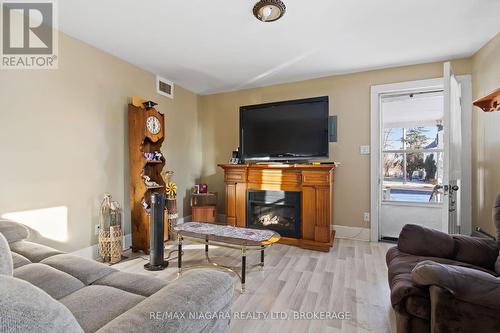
(235, 157)
(195, 189)
(166, 176)
(146, 206)
(202, 188)
(149, 182)
(157, 156)
(171, 190)
(149, 104)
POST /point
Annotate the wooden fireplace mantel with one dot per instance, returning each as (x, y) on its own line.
(315, 182)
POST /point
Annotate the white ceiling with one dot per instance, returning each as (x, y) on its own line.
(214, 46)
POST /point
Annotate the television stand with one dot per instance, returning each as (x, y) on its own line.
(314, 182)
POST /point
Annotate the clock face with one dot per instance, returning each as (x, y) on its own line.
(153, 125)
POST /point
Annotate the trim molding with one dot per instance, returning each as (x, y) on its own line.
(341, 232)
(353, 233)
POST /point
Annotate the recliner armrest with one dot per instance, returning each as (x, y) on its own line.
(466, 284)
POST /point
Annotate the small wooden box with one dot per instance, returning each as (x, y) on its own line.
(204, 214)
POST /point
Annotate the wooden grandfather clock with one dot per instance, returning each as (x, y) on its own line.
(146, 131)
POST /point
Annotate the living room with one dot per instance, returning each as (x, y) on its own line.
(198, 128)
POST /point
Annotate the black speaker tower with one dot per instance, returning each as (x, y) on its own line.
(156, 228)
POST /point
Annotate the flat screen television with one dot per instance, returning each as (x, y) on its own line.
(290, 130)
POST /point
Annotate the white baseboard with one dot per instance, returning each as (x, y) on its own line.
(92, 252)
(127, 241)
(354, 233)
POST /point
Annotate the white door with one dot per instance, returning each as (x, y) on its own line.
(420, 155)
(452, 157)
(411, 153)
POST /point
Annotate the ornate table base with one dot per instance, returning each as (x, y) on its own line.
(211, 264)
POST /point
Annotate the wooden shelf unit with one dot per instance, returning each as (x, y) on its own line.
(154, 187)
(315, 182)
(204, 207)
(141, 141)
(490, 102)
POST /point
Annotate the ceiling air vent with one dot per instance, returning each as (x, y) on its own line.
(164, 87)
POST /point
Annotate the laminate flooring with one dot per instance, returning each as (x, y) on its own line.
(350, 280)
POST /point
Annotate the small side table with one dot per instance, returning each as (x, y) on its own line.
(204, 207)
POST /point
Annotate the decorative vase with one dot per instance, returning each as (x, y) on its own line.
(110, 231)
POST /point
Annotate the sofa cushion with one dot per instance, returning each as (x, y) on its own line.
(133, 283)
(26, 308)
(83, 269)
(54, 282)
(32, 251)
(19, 260)
(6, 265)
(421, 241)
(476, 251)
(201, 290)
(218, 325)
(13, 231)
(94, 306)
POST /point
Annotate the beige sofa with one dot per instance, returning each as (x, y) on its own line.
(45, 290)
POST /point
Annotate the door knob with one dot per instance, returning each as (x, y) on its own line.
(455, 187)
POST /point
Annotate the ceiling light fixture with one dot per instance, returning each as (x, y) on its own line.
(269, 10)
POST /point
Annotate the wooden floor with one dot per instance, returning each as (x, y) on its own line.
(352, 278)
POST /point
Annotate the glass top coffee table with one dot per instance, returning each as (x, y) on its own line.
(243, 239)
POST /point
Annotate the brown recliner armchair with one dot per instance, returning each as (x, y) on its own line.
(445, 283)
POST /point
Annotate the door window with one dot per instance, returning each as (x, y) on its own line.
(412, 148)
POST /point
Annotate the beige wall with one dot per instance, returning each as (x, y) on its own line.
(485, 136)
(349, 99)
(63, 140)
